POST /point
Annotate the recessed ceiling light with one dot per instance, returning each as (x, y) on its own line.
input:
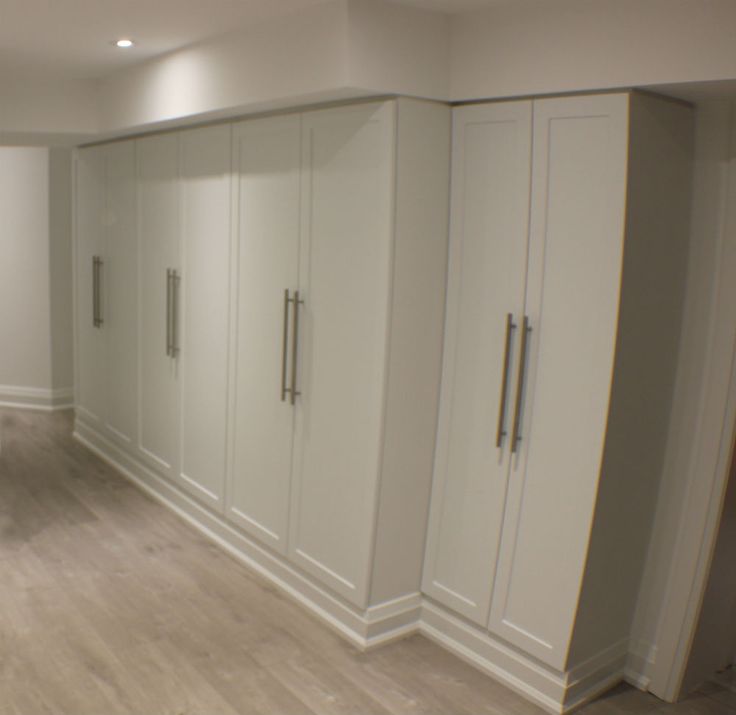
(124, 43)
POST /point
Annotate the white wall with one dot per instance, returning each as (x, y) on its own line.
(394, 49)
(712, 647)
(539, 47)
(46, 112)
(694, 446)
(337, 50)
(60, 268)
(351, 48)
(284, 61)
(35, 273)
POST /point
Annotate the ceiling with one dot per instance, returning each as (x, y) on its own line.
(72, 39)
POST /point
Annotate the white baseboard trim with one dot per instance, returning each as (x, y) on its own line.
(555, 691)
(522, 674)
(595, 676)
(639, 664)
(36, 398)
(364, 629)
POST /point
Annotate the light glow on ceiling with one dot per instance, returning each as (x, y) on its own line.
(124, 43)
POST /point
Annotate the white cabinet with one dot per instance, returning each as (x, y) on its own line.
(488, 249)
(159, 229)
(320, 196)
(91, 380)
(543, 426)
(266, 159)
(345, 282)
(204, 310)
(120, 283)
(576, 245)
(106, 289)
(184, 221)
(277, 345)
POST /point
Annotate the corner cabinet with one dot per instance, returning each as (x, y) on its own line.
(567, 265)
(290, 301)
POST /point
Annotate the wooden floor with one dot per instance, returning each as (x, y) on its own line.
(110, 604)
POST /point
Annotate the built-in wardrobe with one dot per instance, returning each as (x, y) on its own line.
(274, 338)
(568, 250)
(259, 312)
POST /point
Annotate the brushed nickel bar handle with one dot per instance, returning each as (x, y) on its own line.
(94, 291)
(295, 347)
(285, 347)
(516, 436)
(501, 432)
(100, 293)
(175, 285)
(168, 312)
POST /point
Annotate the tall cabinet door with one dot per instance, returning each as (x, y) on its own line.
(345, 282)
(576, 251)
(205, 297)
(158, 223)
(266, 157)
(90, 242)
(121, 292)
(487, 270)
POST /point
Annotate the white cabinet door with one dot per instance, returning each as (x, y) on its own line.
(576, 250)
(90, 241)
(204, 310)
(158, 217)
(121, 292)
(345, 272)
(488, 254)
(266, 157)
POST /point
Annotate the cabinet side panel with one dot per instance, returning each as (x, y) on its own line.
(653, 286)
(420, 258)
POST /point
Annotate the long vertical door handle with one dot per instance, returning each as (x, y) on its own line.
(175, 285)
(168, 311)
(516, 436)
(501, 431)
(100, 293)
(94, 291)
(285, 347)
(295, 347)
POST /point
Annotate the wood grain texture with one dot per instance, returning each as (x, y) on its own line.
(111, 604)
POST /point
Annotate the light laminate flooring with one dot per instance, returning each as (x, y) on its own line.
(109, 604)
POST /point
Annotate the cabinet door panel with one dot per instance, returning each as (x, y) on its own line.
(121, 283)
(490, 215)
(266, 156)
(158, 205)
(345, 254)
(204, 315)
(576, 251)
(91, 389)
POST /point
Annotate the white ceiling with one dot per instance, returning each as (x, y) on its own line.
(72, 38)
